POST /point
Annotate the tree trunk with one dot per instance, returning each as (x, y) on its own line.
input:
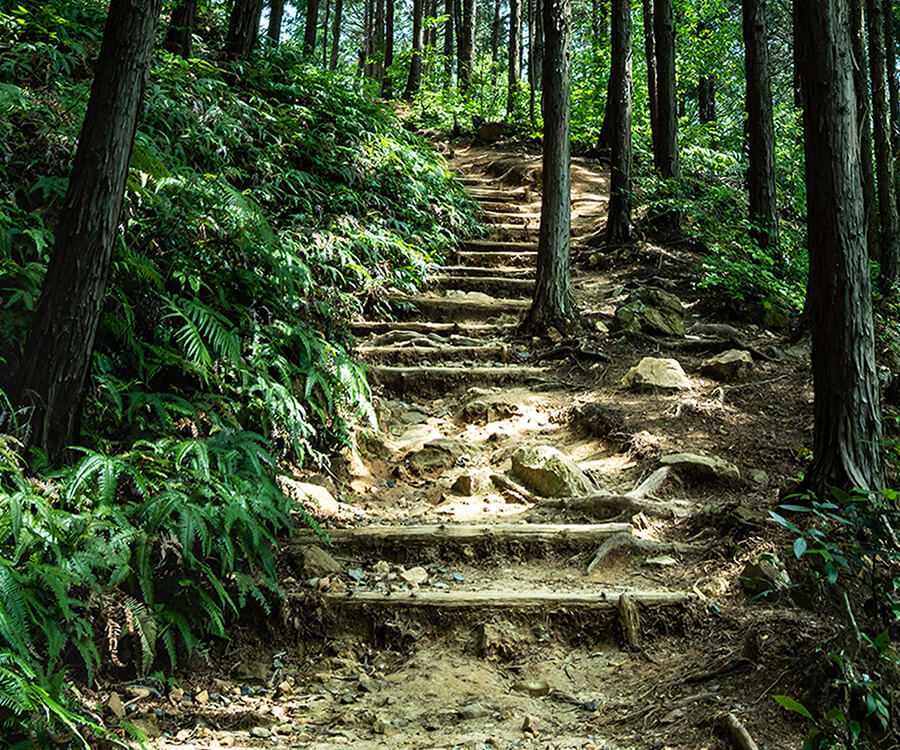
(448, 40)
(467, 45)
(179, 35)
(618, 222)
(414, 81)
(378, 68)
(311, 28)
(889, 253)
(554, 300)
(760, 128)
(863, 124)
(243, 26)
(652, 76)
(666, 157)
(847, 429)
(429, 33)
(706, 99)
(495, 35)
(387, 83)
(336, 34)
(890, 44)
(514, 70)
(276, 14)
(368, 47)
(60, 341)
(325, 22)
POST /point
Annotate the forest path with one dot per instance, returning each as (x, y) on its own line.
(459, 607)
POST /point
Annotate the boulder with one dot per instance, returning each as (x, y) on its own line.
(651, 309)
(374, 444)
(598, 418)
(656, 373)
(317, 562)
(733, 364)
(479, 411)
(776, 318)
(470, 483)
(436, 455)
(549, 473)
(702, 467)
(317, 500)
(764, 574)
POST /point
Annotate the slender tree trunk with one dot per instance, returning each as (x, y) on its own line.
(368, 38)
(532, 78)
(448, 40)
(666, 158)
(179, 35)
(429, 33)
(760, 128)
(495, 35)
(467, 44)
(618, 222)
(884, 162)
(336, 34)
(514, 70)
(276, 14)
(325, 26)
(311, 28)
(890, 44)
(60, 341)
(378, 69)
(863, 120)
(243, 26)
(554, 300)
(387, 83)
(414, 81)
(652, 75)
(847, 429)
(706, 86)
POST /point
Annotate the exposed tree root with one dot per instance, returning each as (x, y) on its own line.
(627, 542)
(739, 736)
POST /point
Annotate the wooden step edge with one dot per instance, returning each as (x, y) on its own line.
(466, 372)
(458, 278)
(369, 327)
(445, 352)
(500, 245)
(496, 305)
(546, 533)
(504, 272)
(493, 599)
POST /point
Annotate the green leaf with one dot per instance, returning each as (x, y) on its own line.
(799, 547)
(792, 705)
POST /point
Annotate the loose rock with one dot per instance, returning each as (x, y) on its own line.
(765, 573)
(549, 473)
(260, 732)
(317, 563)
(316, 499)
(535, 689)
(733, 364)
(474, 711)
(657, 373)
(115, 705)
(703, 467)
(651, 309)
(415, 576)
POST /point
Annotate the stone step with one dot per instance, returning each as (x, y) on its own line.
(507, 208)
(438, 381)
(497, 193)
(424, 355)
(444, 309)
(494, 285)
(376, 327)
(522, 258)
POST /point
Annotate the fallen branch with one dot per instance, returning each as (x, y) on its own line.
(625, 541)
(740, 737)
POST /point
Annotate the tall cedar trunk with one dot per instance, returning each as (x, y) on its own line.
(618, 222)
(863, 123)
(311, 28)
(514, 69)
(243, 26)
(448, 40)
(378, 69)
(890, 44)
(605, 137)
(847, 429)
(387, 83)
(666, 155)
(889, 252)
(325, 33)
(554, 300)
(179, 35)
(429, 33)
(532, 78)
(467, 44)
(368, 51)
(495, 34)
(60, 341)
(276, 14)
(760, 128)
(414, 81)
(336, 34)
(652, 76)
(706, 86)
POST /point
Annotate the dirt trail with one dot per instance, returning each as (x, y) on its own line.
(458, 611)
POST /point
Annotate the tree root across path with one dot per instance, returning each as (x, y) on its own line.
(630, 543)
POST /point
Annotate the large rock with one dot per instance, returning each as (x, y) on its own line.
(599, 418)
(317, 563)
(317, 500)
(657, 373)
(549, 473)
(733, 364)
(703, 467)
(651, 309)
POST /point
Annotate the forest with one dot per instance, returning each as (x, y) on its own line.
(279, 278)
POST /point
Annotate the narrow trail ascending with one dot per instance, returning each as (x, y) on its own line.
(469, 601)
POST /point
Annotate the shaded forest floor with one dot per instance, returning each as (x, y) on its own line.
(493, 639)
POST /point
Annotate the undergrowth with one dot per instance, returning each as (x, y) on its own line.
(267, 203)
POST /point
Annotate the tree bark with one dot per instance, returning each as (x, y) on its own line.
(889, 252)
(554, 301)
(60, 341)
(706, 86)
(387, 82)
(448, 40)
(847, 429)
(378, 65)
(414, 81)
(666, 157)
(863, 124)
(311, 28)
(276, 15)
(514, 70)
(336, 34)
(179, 35)
(760, 128)
(466, 39)
(243, 26)
(325, 23)
(652, 89)
(890, 44)
(495, 35)
(618, 222)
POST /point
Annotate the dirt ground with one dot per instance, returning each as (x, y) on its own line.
(309, 675)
